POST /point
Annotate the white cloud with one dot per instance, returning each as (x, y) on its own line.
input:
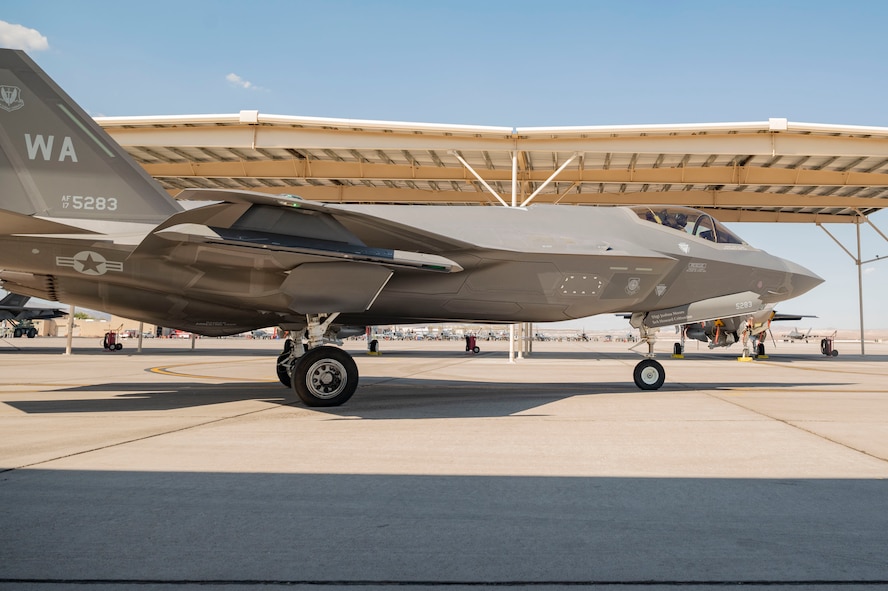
(19, 37)
(236, 80)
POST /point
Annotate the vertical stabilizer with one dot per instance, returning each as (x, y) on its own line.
(55, 161)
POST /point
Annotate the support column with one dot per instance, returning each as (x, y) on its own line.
(70, 336)
(514, 179)
(858, 260)
(520, 327)
(860, 284)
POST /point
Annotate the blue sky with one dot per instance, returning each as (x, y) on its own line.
(513, 63)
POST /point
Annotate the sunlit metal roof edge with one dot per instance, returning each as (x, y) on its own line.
(658, 128)
(256, 118)
(841, 129)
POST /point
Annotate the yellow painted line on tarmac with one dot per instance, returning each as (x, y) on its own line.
(170, 370)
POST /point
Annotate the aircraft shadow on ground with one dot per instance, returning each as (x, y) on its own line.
(590, 355)
(376, 398)
(780, 356)
(167, 528)
(131, 351)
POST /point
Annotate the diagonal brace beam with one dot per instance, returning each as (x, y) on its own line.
(549, 180)
(478, 176)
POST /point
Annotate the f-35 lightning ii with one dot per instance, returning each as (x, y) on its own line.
(82, 223)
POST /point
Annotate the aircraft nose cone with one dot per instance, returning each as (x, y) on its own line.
(801, 279)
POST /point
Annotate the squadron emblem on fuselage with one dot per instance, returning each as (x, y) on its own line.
(11, 98)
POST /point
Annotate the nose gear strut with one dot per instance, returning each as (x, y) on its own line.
(648, 374)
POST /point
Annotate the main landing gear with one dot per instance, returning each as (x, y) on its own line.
(318, 375)
(648, 374)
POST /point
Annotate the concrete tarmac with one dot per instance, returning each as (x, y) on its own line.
(175, 468)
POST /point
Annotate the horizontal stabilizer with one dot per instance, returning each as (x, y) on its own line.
(231, 196)
(13, 224)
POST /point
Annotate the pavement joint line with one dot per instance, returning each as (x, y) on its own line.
(793, 425)
(136, 439)
(784, 365)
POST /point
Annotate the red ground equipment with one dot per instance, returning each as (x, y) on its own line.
(826, 346)
(111, 341)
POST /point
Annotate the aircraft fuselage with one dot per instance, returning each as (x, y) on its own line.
(540, 264)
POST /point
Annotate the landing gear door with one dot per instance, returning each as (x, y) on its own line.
(721, 307)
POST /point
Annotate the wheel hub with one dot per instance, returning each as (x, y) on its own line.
(650, 375)
(326, 378)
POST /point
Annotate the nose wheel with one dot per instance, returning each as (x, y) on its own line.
(649, 375)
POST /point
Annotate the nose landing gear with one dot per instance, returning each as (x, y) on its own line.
(649, 373)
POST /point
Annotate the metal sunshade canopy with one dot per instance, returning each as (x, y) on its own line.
(766, 171)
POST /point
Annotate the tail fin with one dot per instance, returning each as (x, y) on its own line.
(55, 161)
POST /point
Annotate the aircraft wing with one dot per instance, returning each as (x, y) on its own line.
(289, 225)
(12, 307)
(306, 240)
(422, 240)
(779, 316)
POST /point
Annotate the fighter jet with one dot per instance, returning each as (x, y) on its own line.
(82, 223)
(796, 335)
(13, 309)
(748, 329)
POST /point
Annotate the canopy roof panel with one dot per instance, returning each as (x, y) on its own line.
(774, 170)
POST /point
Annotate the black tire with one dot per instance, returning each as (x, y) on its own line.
(285, 368)
(325, 376)
(118, 346)
(760, 350)
(17, 333)
(649, 375)
(476, 350)
(676, 349)
(835, 353)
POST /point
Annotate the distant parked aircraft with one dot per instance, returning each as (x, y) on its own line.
(21, 317)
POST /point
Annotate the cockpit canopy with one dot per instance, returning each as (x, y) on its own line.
(692, 221)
